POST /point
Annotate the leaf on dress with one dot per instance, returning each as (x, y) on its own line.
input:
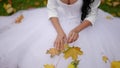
(49, 66)
(115, 64)
(53, 52)
(19, 19)
(73, 52)
(105, 59)
(74, 64)
(109, 17)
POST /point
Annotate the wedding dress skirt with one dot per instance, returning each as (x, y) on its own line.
(24, 45)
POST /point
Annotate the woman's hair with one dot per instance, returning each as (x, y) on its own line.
(86, 8)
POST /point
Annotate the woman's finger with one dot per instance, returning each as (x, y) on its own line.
(75, 36)
(61, 45)
(71, 39)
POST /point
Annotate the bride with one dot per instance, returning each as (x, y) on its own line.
(75, 22)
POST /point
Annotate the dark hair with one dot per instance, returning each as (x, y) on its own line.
(86, 8)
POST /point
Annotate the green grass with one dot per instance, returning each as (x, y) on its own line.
(21, 5)
(115, 11)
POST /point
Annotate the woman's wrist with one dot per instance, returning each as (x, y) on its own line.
(82, 26)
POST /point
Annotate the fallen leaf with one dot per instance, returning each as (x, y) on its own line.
(49, 66)
(116, 4)
(72, 52)
(71, 66)
(45, 2)
(118, 13)
(105, 59)
(0, 0)
(10, 1)
(102, 1)
(8, 7)
(10, 10)
(109, 3)
(19, 19)
(115, 64)
(109, 17)
(53, 52)
(37, 3)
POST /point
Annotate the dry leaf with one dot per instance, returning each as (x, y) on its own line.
(105, 59)
(0, 0)
(53, 52)
(115, 64)
(19, 19)
(102, 1)
(114, 14)
(118, 13)
(109, 3)
(109, 17)
(116, 4)
(49, 66)
(7, 6)
(45, 2)
(37, 3)
(72, 52)
(10, 1)
(9, 9)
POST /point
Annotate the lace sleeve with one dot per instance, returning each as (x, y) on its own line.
(94, 9)
(52, 6)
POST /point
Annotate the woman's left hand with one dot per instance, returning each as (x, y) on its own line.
(73, 36)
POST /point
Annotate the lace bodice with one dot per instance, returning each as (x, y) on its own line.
(56, 8)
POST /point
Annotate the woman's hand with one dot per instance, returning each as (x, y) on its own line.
(73, 36)
(60, 41)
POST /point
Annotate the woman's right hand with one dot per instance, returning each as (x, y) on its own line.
(60, 41)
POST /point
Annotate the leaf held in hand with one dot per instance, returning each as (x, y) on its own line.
(53, 52)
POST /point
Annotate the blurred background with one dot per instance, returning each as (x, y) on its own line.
(9, 7)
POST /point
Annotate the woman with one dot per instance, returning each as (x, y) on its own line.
(70, 21)
(85, 10)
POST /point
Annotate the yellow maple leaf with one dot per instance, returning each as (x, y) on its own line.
(49, 66)
(105, 59)
(66, 46)
(72, 52)
(53, 52)
(115, 64)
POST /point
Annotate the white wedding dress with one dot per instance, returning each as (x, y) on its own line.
(24, 45)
